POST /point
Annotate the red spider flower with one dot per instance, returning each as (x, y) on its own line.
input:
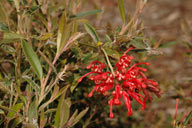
(129, 81)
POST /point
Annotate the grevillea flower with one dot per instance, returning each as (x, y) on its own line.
(127, 81)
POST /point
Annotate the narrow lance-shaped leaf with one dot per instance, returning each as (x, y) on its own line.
(73, 116)
(55, 95)
(79, 116)
(2, 14)
(122, 10)
(32, 83)
(3, 27)
(112, 53)
(8, 37)
(168, 44)
(64, 33)
(15, 123)
(43, 119)
(33, 59)
(32, 113)
(91, 32)
(8, 48)
(75, 82)
(62, 113)
(62, 24)
(1, 112)
(45, 36)
(17, 4)
(41, 18)
(16, 108)
(188, 118)
(82, 14)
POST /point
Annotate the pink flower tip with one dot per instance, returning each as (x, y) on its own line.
(90, 95)
(117, 102)
(89, 66)
(111, 115)
(144, 70)
(128, 50)
(144, 86)
(130, 113)
(79, 80)
(143, 108)
(147, 63)
(177, 103)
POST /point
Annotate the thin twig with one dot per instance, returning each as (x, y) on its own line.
(44, 81)
(108, 61)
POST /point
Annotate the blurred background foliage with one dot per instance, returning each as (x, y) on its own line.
(45, 47)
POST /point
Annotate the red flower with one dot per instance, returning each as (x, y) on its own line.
(129, 81)
(124, 61)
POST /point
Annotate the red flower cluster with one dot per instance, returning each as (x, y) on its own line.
(128, 81)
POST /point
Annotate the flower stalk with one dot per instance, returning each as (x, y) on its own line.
(108, 61)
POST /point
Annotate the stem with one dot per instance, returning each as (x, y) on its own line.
(177, 102)
(87, 45)
(45, 80)
(109, 63)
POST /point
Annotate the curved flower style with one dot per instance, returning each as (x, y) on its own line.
(128, 82)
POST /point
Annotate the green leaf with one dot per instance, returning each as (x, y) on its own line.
(45, 36)
(73, 116)
(91, 32)
(65, 111)
(189, 117)
(43, 119)
(8, 37)
(12, 36)
(63, 32)
(32, 83)
(2, 13)
(33, 115)
(61, 91)
(6, 89)
(16, 108)
(77, 51)
(10, 110)
(14, 123)
(62, 113)
(3, 27)
(138, 44)
(17, 4)
(122, 10)
(48, 61)
(33, 59)
(86, 57)
(52, 110)
(54, 96)
(75, 82)
(80, 115)
(1, 112)
(62, 24)
(168, 44)
(33, 9)
(29, 125)
(8, 49)
(112, 53)
(41, 18)
(82, 14)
